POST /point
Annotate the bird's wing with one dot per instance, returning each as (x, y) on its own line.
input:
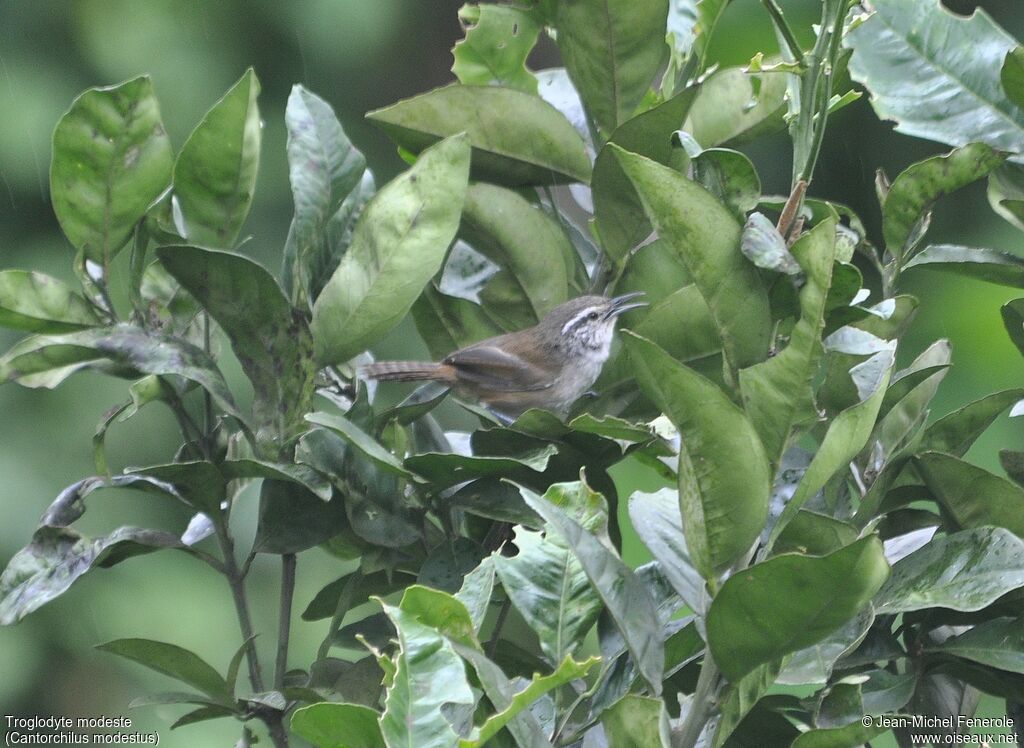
(494, 368)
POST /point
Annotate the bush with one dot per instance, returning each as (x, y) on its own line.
(821, 552)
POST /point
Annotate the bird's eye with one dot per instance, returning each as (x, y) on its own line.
(593, 315)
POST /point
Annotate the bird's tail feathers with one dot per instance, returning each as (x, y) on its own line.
(408, 371)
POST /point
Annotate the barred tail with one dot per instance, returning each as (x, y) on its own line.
(408, 371)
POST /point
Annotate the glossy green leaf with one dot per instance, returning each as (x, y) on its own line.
(324, 168)
(57, 556)
(398, 245)
(936, 74)
(846, 435)
(612, 50)
(998, 643)
(111, 159)
(215, 174)
(657, 520)
(523, 239)
(331, 725)
(359, 439)
(380, 583)
(493, 53)
(778, 393)
(734, 106)
(681, 324)
(790, 602)
(131, 349)
(269, 337)
(965, 571)
(636, 721)
(724, 476)
(972, 495)
(814, 664)
(548, 586)
(814, 534)
(476, 590)
(618, 212)
(974, 262)
(1013, 320)
(199, 483)
(728, 175)
(1013, 463)
(296, 473)
(428, 674)
(447, 323)
(568, 670)
(169, 659)
(707, 237)
(916, 189)
(1006, 193)
(35, 302)
(955, 432)
(448, 469)
(625, 597)
(517, 138)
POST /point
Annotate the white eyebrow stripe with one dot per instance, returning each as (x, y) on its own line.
(578, 318)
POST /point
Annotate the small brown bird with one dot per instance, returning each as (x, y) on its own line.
(549, 365)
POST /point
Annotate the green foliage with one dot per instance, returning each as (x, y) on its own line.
(812, 526)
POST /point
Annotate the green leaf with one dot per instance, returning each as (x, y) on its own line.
(998, 643)
(728, 175)
(612, 50)
(35, 302)
(568, 670)
(656, 519)
(734, 106)
(916, 189)
(964, 571)
(636, 721)
(296, 473)
(627, 600)
(291, 519)
(846, 435)
(398, 245)
(955, 432)
(517, 138)
(618, 212)
(741, 697)
(362, 441)
(972, 495)
(498, 40)
(707, 237)
(548, 586)
(763, 245)
(57, 556)
(1013, 463)
(724, 477)
(448, 469)
(981, 264)
(200, 483)
(129, 348)
(448, 563)
(428, 674)
(330, 725)
(794, 601)
(475, 593)
(324, 168)
(1013, 320)
(111, 159)
(269, 337)
(1006, 193)
(202, 714)
(523, 239)
(778, 393)
(936, 74)
(215, 174)
(814, 534)
(1011, 75)
(447, 323)
(814, 665)
(382, 582)
(169, 659)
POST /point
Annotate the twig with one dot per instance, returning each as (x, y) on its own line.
(792, 207)
(344, 601)
(241, 605)
(284, 622)
(498, 625)
(784, 30)
(702, 705)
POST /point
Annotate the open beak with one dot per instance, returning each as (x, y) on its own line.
(621, 304)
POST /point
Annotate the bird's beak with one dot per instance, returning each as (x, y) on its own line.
(620, 304)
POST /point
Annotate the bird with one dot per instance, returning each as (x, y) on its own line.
(547, 366)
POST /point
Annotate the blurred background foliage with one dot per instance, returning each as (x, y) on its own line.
(358, 55)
